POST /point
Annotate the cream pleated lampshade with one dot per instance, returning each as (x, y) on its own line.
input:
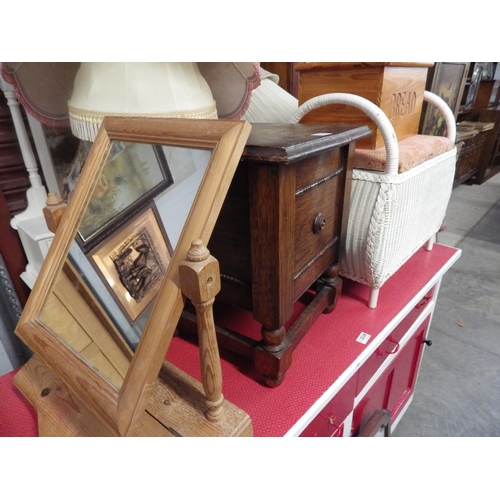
(158, 89)
(270, 103)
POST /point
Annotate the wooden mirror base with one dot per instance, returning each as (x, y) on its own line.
(176, 407)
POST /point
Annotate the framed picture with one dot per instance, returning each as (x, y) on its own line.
(447, 81)
(488, 70)
(66, 155)
(133, 260)
(66, 323)
(133, 174)
(473, 86)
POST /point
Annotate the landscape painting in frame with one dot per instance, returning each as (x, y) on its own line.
(133, 174)
(133, 261)
(448, 83)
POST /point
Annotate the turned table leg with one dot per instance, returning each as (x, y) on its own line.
(332, 279)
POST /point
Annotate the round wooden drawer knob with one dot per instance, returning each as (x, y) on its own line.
(319, 223)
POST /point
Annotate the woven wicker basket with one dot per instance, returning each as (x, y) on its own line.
(391, 215)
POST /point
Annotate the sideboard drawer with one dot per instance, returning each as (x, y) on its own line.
(328, 422)
(391, 345)
(394, 387)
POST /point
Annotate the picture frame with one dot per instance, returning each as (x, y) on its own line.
(133, 260)
(488, 70)
(133, 174)
(64, 157)
(475, 78)
(121, 407)
(447, 80)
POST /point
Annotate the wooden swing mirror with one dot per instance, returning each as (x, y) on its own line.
(106, 303)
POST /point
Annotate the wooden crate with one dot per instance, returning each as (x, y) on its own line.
(396, 88)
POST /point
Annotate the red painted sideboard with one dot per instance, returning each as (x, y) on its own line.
(336, 383)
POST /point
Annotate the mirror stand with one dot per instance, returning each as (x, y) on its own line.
(179, 405)
(175, 409)
(200, 283)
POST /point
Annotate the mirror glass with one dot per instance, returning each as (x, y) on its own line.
(101, 300)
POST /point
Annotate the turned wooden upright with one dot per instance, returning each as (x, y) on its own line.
(200, 282)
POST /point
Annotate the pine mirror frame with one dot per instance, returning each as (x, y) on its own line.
(120, 409)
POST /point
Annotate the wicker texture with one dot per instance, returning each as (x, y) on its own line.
(391, 215)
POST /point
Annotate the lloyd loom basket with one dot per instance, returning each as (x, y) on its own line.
(391, 214)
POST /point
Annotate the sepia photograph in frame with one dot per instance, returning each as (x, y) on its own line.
(133, 174)
(132, 262)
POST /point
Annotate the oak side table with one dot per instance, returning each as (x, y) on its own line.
(280, 234)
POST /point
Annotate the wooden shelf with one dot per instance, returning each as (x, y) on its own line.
(478, 163)
(489, 161)
(469, 152)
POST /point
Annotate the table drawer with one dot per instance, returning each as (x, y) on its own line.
(318, 220)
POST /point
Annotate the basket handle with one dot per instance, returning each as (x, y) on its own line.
(380, 119)
(372, 110)
(444, 109)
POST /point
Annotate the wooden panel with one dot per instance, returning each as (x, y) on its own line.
(84, 316)
(272, 214)
(179, 405)
(287, 75)
(14, 179)
(365, 81)
(489, 161)
(12, 252)
(398, 91)
(319, 167)
(483, 96)
(60, 413)
(95, 356)
(323, 198)
(324, 202)
(233, 231)
(468, 159)
(402, 98)
(68, 315)
(13, 184)
(56, 316)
